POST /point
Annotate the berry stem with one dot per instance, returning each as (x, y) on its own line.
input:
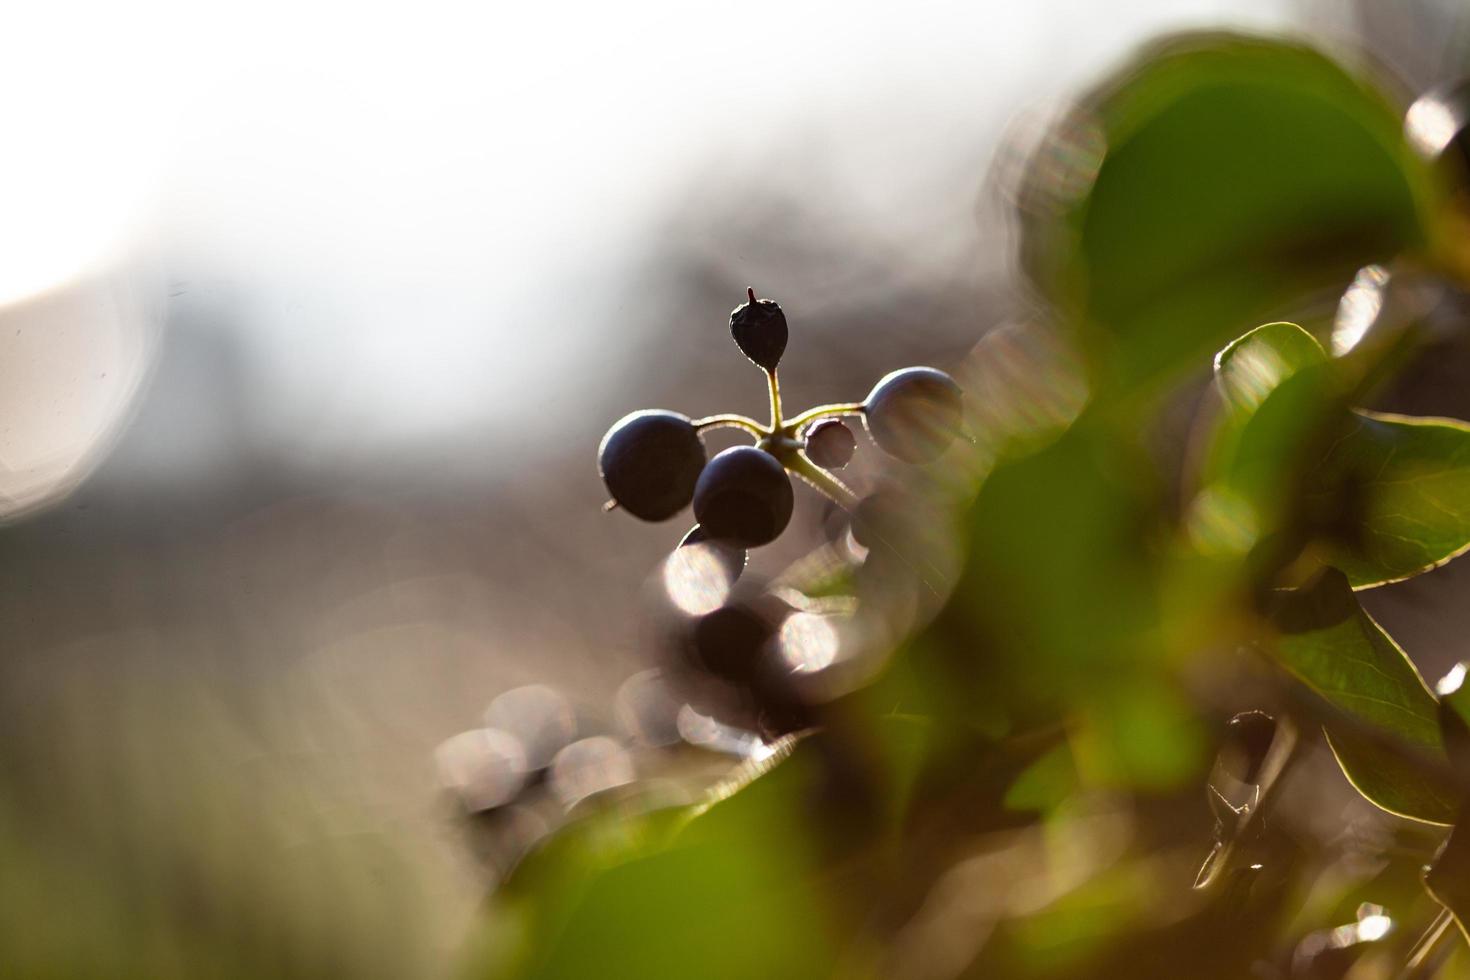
(822, 411)
(798, 463)
(775, 387)
(733, 422)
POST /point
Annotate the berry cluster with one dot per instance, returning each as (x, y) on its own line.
(654, 462)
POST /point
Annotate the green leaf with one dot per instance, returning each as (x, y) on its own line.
(1217, 178)
(1385, 496)
(1408, 481)
(745, 884)
(1255, 364)
(1275, 383)
(1385, 727)
(1282, 400)
(1448, 877)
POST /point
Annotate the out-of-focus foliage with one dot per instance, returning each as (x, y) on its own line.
(1046, 668)
(1384, 495)
(1211, 183)
(1337, 650)
(757, 857)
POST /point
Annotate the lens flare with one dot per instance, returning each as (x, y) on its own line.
(1451, 682)
(1430, 125)
(698, 578)
(539, 717)
(485, 767)
(590, 766)
(808, 642)
(1359, 308)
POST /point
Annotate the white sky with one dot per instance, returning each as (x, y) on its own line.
(396, 192)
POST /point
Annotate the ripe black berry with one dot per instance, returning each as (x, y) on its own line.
(744, 497)
(731, 643)
(830, 443)
(650, 462)
(914, 413)
(1248, 740)
(759, 329)
(887, 520)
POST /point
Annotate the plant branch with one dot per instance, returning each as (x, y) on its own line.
(822, 411)
(775, 387)
(731, 422)
(798, 463)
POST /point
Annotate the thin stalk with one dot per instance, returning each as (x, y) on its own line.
(822, 411)
(731, 422)
(775, 400)
(825, 482)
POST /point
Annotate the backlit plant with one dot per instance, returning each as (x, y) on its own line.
(1093, 642)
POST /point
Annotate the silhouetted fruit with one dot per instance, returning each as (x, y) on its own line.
(732, 557)
(731, 642)
(914, 413)
(830, 443)
(1248, 740)
(884, 521)
(743, 497)
(759, 329)
(650, 462)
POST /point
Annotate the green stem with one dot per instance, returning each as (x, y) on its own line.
(822, 411)
(775, 400)
(731, 421)
(825, 482)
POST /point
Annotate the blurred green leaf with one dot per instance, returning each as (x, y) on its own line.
(1212, 181)
(1408, 479)
(1282, 400)
(1278, 388)
(1056, 613)
(747, 884)
(1058, 587)
(1254, 365)
(1045, 784)
(1386, 495)
(1386, 732)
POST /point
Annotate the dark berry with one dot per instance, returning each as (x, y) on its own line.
(650, 462)
(759, 329)
(830, 443)
(744, 497)
(1248, 740)
(732, 557)
(884, 520)
(914, 413)
(732, 642)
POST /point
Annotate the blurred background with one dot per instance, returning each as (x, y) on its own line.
(311, 318)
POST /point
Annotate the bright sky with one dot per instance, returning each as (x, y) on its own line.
(395, 193)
